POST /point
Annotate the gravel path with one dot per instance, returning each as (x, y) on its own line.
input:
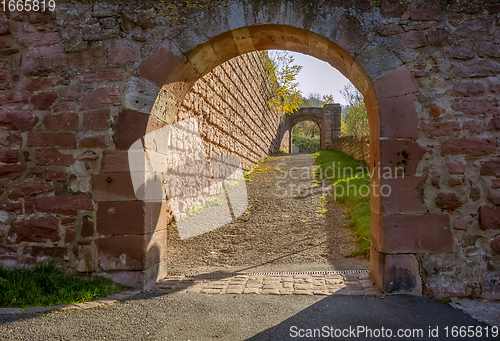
(284, 227)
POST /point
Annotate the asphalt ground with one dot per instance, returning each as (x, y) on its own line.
(179, 316)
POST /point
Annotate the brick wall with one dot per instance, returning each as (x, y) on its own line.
(357, 148)
(65, 118)
(231, 103)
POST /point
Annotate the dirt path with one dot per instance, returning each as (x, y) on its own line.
(284, 228)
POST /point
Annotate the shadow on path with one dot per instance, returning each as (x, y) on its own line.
(351, 314)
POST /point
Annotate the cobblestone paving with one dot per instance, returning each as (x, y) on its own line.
(280, 284)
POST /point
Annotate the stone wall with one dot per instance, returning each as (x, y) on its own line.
(78, 86)
(232, 105)
(66, 117)
(357, 148)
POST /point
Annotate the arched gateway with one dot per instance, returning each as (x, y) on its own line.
(381, 46)
(327, 118)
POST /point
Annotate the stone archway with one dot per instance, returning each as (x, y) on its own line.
(388, 89)
(327, 118)
(84, 82)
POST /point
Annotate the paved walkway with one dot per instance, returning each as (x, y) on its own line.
(273, 284)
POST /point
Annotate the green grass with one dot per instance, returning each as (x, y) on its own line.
(45, 285)
(348, 176)
(306, 144)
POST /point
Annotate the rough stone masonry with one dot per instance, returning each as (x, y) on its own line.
(80, 84)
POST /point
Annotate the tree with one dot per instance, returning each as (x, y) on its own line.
(315, 100)
(282, 77)
(327, 99)
(306, 128)
(355, 119)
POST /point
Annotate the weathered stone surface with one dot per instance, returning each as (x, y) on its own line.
(49, 157)
(393, 8)
(159, 65)
(474, 127)
(494, 196)
(398, 117)
(12, 171)
(491, 167)
(448, 201)
(43, 59)
(477, 106)
(55, 174)
(491, 286)
(456, 168)
(395, 273)
(464, 49)
(93, 141)
(401, 154)
(115, 161)
(97, 119)
(87, 227)
(404, 196)
(105, 75)
(20, 190)
(495, 245)
(113, 187)
(38, 38)
(63, 121)
(476, 68)
(489, 218)
(495, 183)
(102, 97)
(51, 140)
(129, 127)
(121, 54)
(462, 223)
(413, 39)
(17, 120)
(425, 10)
(9, 155)
(66, 204)
(43, 252)
(445, 128)
(412, 234)
(378, 61)
(469, 145)
(469, 89)
(494, 124)
(90, 59)
(35, 229)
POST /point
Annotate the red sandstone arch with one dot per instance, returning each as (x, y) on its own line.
(400, 229)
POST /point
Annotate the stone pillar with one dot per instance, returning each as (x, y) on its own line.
(330, 123)
(132, 233)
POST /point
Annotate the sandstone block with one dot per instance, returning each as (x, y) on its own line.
(469, 145)
(448, 201)
(489, 218)
(491, 167)
(63, 121)
(66, 204)
(17, 120)
(36, 230)
(51, 140)
(445, 128)
(102, 97)
(20, 190)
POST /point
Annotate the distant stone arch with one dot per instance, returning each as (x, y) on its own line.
(327, 118)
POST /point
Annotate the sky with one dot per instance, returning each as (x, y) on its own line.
(317, 76)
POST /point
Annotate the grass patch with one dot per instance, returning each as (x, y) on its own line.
(349, 177)
(45, 285)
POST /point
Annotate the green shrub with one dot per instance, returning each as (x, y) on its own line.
(45, 285)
